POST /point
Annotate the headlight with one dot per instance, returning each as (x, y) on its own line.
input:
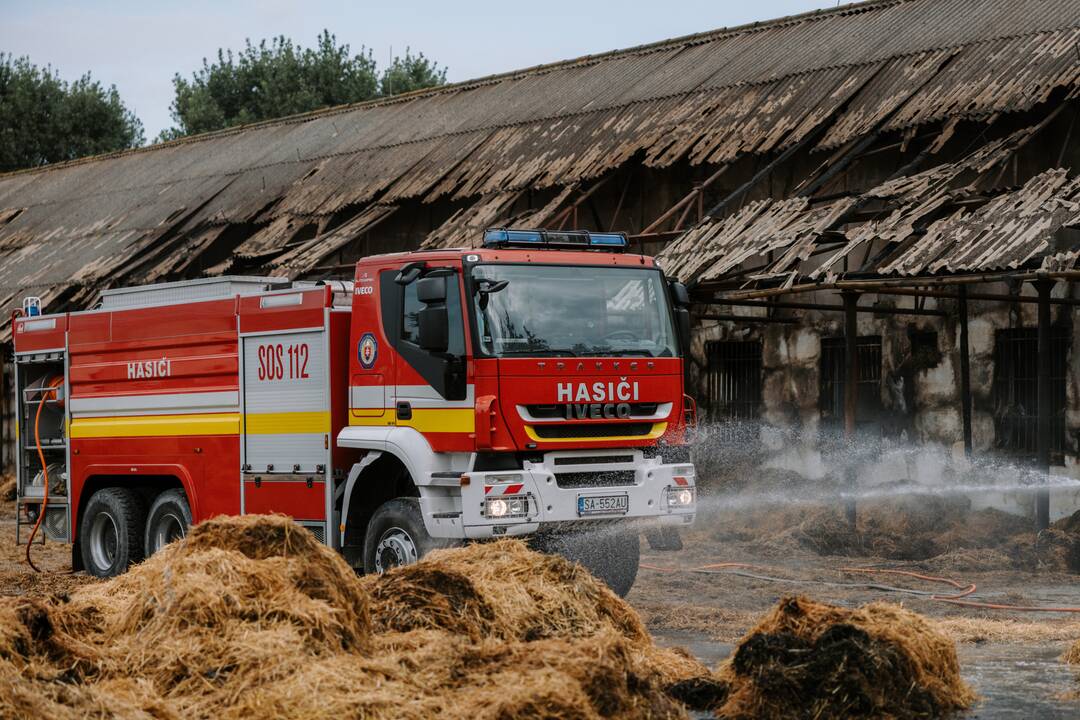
(680, 497)
(507, 506)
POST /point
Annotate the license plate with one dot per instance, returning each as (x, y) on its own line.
(603, 504)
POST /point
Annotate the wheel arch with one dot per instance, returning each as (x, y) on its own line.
(380, 476)
(148, 484)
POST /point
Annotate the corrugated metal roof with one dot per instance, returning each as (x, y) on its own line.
(708, 98)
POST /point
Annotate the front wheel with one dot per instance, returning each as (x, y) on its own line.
(111, 531)
(396, 536)
(610, 555)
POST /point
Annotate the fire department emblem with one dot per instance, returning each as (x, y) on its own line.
(367, 351)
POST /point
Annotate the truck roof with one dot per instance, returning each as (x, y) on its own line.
(517, 255)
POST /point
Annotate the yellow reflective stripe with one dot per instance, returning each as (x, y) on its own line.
(658, 429)
(449, 420)
(156, 425)
(456, 420)
(287, 423)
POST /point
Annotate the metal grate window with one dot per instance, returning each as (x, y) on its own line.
(834, 379)
(733, 380)
(1016, 391)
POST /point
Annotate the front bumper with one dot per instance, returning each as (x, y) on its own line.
(647, 484)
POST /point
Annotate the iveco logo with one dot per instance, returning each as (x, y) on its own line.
(597, 411)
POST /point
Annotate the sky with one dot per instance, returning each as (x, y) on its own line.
(138, 45)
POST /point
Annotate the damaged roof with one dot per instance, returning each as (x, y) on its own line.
(946, 220)
(286, 194)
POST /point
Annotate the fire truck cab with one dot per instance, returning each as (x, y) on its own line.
(533, 386)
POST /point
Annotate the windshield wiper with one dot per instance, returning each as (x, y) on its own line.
(621, 353)
(540, 351)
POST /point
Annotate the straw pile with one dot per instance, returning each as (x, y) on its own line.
(810, 659)
(1072, 655)
(7, 488)
(944, 533)
(251, 617)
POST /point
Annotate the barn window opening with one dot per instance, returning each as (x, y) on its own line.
(733, 381)
(833, 381)
(1016, 391)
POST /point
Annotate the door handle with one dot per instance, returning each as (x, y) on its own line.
(404, 410)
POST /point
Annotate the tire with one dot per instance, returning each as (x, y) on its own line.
(396, 536)
(111, 531)
(610, 555)
(168, 520)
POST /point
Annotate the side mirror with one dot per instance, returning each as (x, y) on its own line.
(679, 294)
(682, 327)
(434, 328)
(431, 290)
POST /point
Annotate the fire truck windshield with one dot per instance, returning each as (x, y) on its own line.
(574, 311)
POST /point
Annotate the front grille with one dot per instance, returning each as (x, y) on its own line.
(592, 430)
(558, 412)
(610, 478)
(594, 459)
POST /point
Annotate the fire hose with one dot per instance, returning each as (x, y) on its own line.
(48, 392)
(959, 598)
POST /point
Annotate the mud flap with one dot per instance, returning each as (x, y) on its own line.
(664, 538)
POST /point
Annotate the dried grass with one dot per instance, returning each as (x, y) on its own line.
(810, 659)
(251, 617)
(7, 488)
(502, 590)
(1071, 656)
(1005, 630)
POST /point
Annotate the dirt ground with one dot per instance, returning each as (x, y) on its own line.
(1010, 656)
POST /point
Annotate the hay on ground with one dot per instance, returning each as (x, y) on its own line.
(499, 589)
(252, 617)
(810, 659)
(1071, 656)
(7, 488)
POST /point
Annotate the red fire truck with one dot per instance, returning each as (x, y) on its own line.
(533, 386)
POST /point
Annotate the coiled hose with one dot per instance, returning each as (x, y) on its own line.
(48, 392)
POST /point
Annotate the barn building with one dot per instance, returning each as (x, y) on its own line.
(875, 207)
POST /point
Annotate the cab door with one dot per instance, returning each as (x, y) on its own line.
(431, 391)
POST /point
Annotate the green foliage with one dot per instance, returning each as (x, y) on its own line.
(412, 72)
(275, 79)
(44, 119)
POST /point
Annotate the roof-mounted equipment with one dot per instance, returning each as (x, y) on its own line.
(555, 239)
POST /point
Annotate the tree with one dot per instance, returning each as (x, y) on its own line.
(44, 119)
(275, 79)
(412, 72)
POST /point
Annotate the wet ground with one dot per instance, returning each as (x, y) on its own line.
(1011, 658)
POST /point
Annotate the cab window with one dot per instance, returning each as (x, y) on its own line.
(411, 306)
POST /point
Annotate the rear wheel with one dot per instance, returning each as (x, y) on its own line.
(111, 531)
(168, 520)
(610, 555)
(396, 536)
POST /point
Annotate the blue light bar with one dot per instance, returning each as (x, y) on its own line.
(561, 239)
(501, 236)
(608, 239)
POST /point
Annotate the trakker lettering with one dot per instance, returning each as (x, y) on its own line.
(598, 392)
(149, 369)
